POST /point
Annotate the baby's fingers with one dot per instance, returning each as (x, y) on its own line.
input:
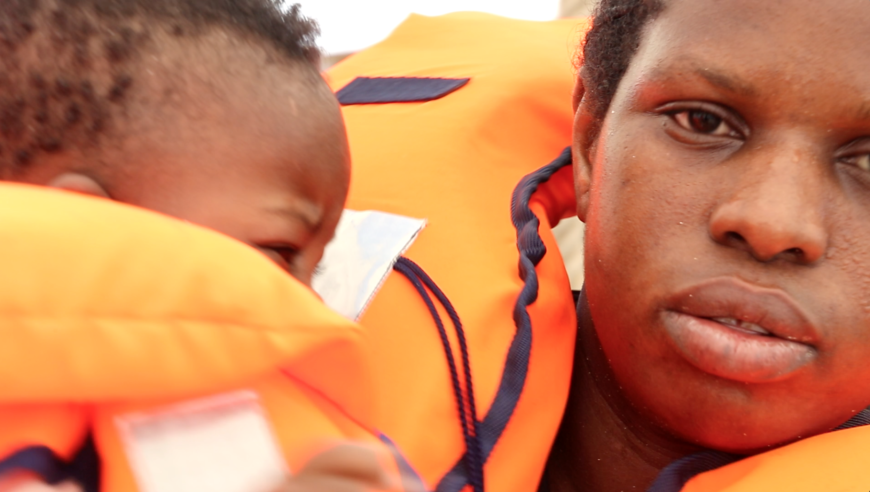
(26, 482)
(344, 468)
(325, 484)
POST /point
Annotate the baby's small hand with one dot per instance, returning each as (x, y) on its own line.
(344, 468)
(27, 482)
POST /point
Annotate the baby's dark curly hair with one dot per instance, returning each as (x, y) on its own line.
(67, 66)
(609, 46)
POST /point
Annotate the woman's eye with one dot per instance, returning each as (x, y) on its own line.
(705, 122)
(861, 161)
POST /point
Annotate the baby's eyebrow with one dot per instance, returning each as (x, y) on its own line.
(307, 212)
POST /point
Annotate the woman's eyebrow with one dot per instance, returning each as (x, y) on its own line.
(863, 111)
(715, 77)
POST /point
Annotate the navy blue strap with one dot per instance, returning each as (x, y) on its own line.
(41, 460)
(383, 90)
(531, 252)
(860, 418)
(409, 474)
(85, 467)
(678, 473)
(674, 476)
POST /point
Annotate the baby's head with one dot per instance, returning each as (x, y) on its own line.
(212, 111)
(722, 163)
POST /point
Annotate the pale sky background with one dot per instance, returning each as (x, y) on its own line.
(350, 25)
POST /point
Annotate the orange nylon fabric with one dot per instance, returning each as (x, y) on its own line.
(455, 162)
(61, 427)
(833, 462)
(303, 421)
(113, 302)
(110, 309)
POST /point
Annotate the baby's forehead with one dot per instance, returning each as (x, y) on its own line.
(80, 76)
(231, 106)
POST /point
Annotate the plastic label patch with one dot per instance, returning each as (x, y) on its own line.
(218, 444)
(362, 253)
(382, 90)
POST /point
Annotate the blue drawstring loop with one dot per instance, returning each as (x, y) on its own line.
(466, 405)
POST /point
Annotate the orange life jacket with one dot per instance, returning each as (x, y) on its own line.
(834, 461)
(110, 312)
(452, 152)
(445, 117)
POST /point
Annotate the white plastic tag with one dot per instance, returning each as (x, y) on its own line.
(215, 444)
(360, 256)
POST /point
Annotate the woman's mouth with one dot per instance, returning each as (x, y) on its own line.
(734, 330)
(744, 326)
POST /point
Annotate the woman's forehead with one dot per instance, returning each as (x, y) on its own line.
(752, 48)
(793, 33)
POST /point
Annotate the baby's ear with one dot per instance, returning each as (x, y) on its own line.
(581, 148)
(79, 183)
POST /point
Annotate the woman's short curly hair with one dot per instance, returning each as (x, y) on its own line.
(609, 46)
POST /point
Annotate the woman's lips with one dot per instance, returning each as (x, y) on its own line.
(734, 330)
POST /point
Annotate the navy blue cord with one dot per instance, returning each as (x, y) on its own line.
(463, 348)
(531, 250)
(468, 419)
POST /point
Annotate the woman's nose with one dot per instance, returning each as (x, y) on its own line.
(776, 213)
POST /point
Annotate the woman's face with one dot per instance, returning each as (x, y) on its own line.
(728, 220)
